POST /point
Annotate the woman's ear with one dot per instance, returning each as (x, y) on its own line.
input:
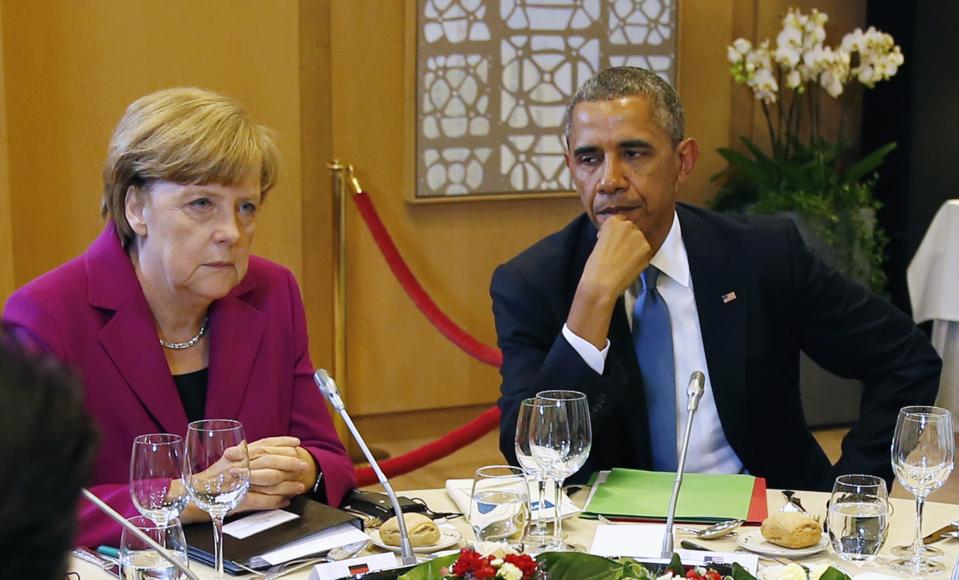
(133, 207)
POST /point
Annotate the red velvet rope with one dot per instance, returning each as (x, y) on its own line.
(445, 445)
(415, 291)
(468, 433)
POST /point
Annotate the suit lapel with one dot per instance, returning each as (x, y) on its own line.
(723, 324)
(129, 336)
(236, 333)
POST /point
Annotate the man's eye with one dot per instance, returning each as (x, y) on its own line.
(588, 160)
(633, 153)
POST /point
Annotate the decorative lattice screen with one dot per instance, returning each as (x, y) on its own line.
(494, 78)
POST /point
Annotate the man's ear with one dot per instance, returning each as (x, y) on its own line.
(688, 153)
(133, 208)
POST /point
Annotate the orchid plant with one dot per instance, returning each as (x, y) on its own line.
(806, 173)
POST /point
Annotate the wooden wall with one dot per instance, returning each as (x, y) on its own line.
(7, 283)
(332, 78)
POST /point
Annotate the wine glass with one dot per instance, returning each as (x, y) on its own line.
(156, 469)
(858, 519)
(538, 533)
(139, 561)
(216, 470)
(560, 437)
(923, 450)
(499, 504)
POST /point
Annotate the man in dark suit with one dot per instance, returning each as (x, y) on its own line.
(639, 291)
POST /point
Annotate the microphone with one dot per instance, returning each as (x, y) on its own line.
(328, 387)
(118, 518)
(694, 392)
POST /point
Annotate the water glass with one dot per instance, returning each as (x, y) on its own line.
(538, 532)
(499, 504)
(156, 469)
(858, 519)
(138, 561)
(216, 471)
(923, 450)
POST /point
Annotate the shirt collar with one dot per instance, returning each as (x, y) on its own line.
(671, 259)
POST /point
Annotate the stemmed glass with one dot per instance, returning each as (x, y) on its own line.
(538, 533)
(923, 450)
(216, 471)
(156, 469)
(560, 437)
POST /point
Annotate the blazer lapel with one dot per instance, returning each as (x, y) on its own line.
(722, 321)
(236, 332)
(129, 336)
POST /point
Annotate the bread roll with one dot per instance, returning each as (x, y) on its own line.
(422, 530)
(791, 530)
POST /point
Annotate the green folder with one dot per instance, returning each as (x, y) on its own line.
(645, 494)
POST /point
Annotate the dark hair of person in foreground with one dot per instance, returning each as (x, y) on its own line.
(47, 442)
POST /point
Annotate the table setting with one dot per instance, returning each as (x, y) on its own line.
(510, 527)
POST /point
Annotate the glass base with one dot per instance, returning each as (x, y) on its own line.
(920, 567)
(905, 552)
(560, 547)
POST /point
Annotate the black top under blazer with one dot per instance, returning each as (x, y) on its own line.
(787, 300)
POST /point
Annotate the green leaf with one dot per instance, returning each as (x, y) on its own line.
(834, 574)
(740, 573)
(751, 169)
(760, 156)
(868, 164)
(430, 570)
(579, 566)
(675, 566)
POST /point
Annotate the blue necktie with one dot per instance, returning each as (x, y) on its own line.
(653, 340)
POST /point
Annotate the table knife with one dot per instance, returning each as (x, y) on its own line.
(942, 533)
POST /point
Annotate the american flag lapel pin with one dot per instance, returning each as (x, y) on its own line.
(729, 297)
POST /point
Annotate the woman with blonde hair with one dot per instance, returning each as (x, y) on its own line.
(167, 318)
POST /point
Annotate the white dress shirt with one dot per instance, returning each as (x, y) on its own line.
(709, 452)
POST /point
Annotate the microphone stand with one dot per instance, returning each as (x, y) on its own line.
(694, 393)
(328, 387)
(118, 518)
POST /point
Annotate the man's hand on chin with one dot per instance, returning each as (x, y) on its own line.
(619, 257)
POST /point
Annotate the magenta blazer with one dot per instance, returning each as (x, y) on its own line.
(92, 314)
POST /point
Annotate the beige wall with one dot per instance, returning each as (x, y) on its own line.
(71, 69)
(6, 235)
(333, 79)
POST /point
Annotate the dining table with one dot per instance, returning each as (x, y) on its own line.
(580, 530)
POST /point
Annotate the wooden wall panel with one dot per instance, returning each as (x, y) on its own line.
(397, 361)
(6, 235)
(71, 69)
(705, 89)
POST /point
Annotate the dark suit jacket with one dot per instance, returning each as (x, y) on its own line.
(787, 300)
(91, 313)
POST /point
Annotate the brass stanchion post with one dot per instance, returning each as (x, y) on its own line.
(344, 183)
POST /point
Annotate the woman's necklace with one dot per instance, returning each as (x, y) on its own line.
(187, 344)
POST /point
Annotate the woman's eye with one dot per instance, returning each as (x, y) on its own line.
(248, 208)
(201, 203)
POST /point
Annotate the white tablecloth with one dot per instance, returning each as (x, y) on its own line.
(933, 278)
(581, 531)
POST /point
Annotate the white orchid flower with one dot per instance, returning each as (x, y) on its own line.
(853, 42)
(742, 45)
(831, 84)
(764, 85)
(733, 55)
(793, 79)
